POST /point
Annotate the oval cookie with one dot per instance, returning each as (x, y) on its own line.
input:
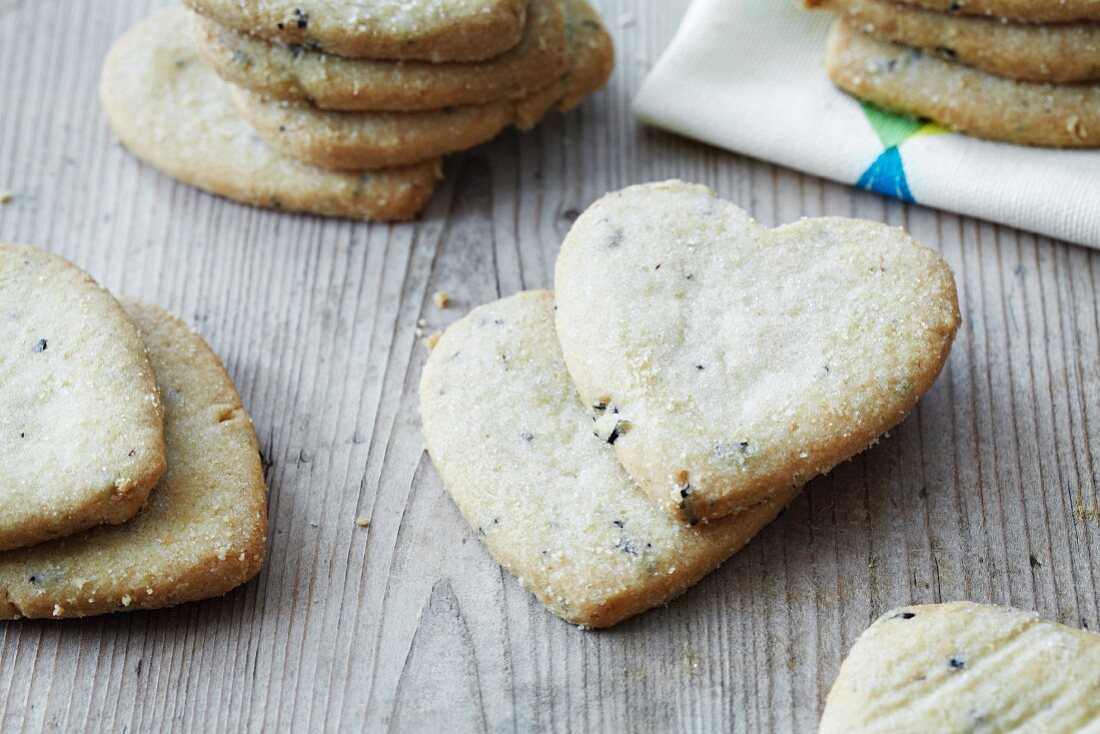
(963, 667)
(81, 436)
(1064, 52)
(1030, 11)
(516, 450)
(339, 83)
(726, 361)
(967, 100)
(370, 140)
(428, 30)
(202, 531)
(176, 115)
(363, 141)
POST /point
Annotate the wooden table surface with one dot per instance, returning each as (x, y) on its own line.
(987, 492)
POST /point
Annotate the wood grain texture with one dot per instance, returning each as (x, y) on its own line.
(984, 493)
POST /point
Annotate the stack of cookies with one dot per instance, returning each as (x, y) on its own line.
(130, 475)
(615, 441)
(341, 108)
(1021, 71)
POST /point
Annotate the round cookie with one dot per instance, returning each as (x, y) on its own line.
(967, 100)
(426, 30)
(963, 667)
(592, 59)
(1068, 52)
(202, 532)
(81, 435)
(364, 141)
(727, 362)
(515, 448)
(175, 114)
(338, 83)
(371, 140)
(1030, 11)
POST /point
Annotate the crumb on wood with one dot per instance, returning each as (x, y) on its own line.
(432, 339)
(6, 196)
(362, 522)
(441, 299)
(1084, 514)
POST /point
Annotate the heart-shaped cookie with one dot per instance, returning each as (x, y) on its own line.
(726, 361)
(965, 667)
(513, 443)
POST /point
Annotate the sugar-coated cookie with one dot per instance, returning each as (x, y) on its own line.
(202, 531)
(515, 448)
(175, 114)
(1062, 52)
(592, 59)
(967, 100)
(1031, 11)
(371, 140)
(338, 83)
(81, 430)
(364, 141)
(726, 361)
(964, 667)
(428, 30)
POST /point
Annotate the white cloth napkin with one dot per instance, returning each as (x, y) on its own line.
(747, 75)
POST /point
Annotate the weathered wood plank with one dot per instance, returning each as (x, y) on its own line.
(985, 492)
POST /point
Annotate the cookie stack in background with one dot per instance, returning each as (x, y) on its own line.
(130, 474)
(339, 109)
(1019, 71)
(614, 442)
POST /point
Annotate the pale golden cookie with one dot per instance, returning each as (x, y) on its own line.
(202, 532)
(364, 141)
(176, 115)
(428, 30)
(592, 59)
(1031, 11)
(370, 140)
(967, 100)
(81, 431)
(515, 448)
(727, 361)
(963, 667)
(338, 83)
(1067, 52)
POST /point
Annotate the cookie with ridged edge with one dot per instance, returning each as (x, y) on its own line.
(964, 667)
(1029, 11)
(426, 30)
(202, 532)
(371, 140)
(967, 100)
(1061, 52)
(176, 115)
(81, 433)
(727, 362)
(338, 83)
(514, 445)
